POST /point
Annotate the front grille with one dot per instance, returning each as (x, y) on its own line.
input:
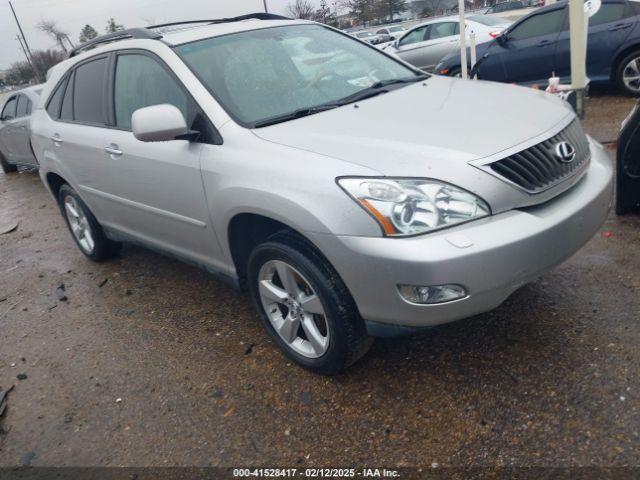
(538, 168)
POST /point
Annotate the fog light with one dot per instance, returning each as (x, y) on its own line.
(426, 295)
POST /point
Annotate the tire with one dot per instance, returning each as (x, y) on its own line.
(346, 339)
(626, 65)
(93, 242)
(6, 166)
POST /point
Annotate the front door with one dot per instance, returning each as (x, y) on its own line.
(8, 118)
(529, 50)
(156, 190)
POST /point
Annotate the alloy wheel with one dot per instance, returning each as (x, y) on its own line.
(631, 75)
(79, 224)
(293, 308)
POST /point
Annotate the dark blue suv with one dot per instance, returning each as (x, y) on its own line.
(537, 45)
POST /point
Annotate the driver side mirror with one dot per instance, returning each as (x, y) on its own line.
(159, 123)
(502, 39)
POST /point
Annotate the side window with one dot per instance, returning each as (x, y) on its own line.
(417, 35)
(88, 92)
(55, 101)
(443, 29)
(66, 112)
(610, 12)
(539, 25)
(9, 110)
(134, 75)
(21, 110)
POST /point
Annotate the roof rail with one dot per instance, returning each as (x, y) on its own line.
(137, 33)
(148, 33)
(249, 16)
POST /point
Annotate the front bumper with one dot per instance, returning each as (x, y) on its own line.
(508, 250)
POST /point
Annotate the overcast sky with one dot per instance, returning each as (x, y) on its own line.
(72, 15)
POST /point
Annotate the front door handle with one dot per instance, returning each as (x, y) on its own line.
(113, 150)
(56, 139)
(544, 43)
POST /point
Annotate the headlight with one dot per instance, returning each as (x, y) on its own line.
(405, 207)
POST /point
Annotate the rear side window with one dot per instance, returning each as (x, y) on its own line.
(89, 90)
(66, 113)
(22, 106)
(610, 12)
(543, 24)
(55, 101)
(29, 107)
(9, 110)
(444, 29)
(142, 82)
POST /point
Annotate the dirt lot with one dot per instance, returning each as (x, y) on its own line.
(152, 362)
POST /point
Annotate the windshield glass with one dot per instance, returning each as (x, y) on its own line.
(486, 20)
(261, 74)
(396, 29)
(364, 34)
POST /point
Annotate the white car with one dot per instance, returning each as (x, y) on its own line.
(391, 33)
(428, 43)
(368, 37)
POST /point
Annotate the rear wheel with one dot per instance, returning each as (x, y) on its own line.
(305, 306)
(6, 166)
(85, 229)
(628, 74)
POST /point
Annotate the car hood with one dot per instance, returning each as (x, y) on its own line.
(441, 121)
(429, 129)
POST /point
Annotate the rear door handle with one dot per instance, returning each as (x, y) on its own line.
(57, 140)
(113, 150)
(544, 43)
(620, 26)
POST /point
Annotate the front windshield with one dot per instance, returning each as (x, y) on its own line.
(396, 29)
(261, 74)
(364, 34)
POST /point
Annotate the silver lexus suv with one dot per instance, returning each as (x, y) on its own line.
(254, 148)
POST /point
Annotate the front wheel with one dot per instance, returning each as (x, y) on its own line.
(305, 306)
(85, 229)
(627, 74)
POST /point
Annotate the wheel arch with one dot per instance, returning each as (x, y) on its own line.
(247, 230)
(622, 53)
(55, 182)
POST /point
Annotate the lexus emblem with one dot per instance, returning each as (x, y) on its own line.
(565, 152)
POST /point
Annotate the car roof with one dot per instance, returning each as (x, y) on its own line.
(193, 33)
(33, 91)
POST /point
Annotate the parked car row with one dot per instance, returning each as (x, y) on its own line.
(428, 43)
(260, 156)
(537, 46)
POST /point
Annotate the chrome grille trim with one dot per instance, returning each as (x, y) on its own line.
(537, 168)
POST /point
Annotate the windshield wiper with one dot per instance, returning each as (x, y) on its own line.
(379, 88)
(375, 89)
(301, 112)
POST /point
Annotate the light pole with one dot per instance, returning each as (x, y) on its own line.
(266, 10)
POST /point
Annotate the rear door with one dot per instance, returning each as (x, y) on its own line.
(7, 118)
(21, 139)
(609, 28)
(444, 38)
(155, 189)
(410, 47)
(529, 53)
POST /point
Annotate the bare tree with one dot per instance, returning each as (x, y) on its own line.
(51, 28)
(303, 9)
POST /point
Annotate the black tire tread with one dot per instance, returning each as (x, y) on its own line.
(6, 166)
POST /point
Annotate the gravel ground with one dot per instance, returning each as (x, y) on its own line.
(151, 362)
